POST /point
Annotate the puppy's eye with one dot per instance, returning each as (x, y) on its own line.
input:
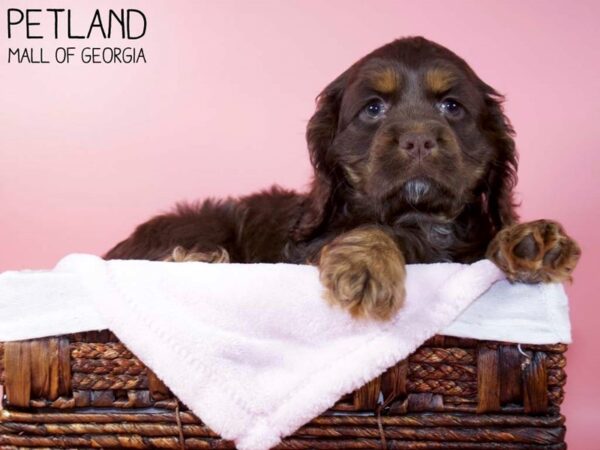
(451, 108)
(374, 110)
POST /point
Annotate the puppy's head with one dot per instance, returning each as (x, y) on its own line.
(411, 127)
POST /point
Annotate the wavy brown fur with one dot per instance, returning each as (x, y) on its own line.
(439, 184)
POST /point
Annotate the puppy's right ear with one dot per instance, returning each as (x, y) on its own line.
(320, 134)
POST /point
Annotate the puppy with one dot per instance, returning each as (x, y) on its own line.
(414, 162)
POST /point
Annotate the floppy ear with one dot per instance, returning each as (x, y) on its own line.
(320, 133)
(502, 173)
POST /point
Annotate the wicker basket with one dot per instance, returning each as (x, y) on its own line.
(88, 391)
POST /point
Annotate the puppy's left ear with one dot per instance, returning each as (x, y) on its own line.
(320, 133)
(502, 172)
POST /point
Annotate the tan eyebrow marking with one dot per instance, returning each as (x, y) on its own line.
(438, 80)
(385, 80)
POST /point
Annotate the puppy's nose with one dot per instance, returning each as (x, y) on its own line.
(418, 144)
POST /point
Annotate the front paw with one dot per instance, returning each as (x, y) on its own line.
(535, 252)
(363, 271)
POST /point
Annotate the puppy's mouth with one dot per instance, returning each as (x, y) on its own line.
(417, 190)
(421, 194)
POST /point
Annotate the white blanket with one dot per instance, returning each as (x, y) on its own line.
(253, 350)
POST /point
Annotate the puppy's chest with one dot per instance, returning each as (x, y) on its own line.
(428, 241)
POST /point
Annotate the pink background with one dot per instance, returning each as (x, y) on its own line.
(89, 151)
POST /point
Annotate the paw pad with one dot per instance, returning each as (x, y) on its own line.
(535, 252)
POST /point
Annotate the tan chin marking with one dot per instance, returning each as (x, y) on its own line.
(180, 254)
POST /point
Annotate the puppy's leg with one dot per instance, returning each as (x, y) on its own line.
(363, 271)
(180, 254)
(534, 252)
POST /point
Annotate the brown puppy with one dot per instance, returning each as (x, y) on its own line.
(414, 163)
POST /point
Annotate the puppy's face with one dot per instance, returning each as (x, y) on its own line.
(414, 130)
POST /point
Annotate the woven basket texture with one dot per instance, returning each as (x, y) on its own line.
(87, 390)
